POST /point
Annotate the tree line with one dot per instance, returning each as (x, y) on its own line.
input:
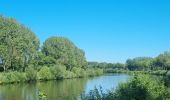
(161, 62)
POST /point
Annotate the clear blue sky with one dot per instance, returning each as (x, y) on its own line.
(107, 30)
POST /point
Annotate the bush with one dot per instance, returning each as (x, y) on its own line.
(98, 72)
(58, 71)
(31, 74)
(79, 72)
(69, 74)
(44, 74)
(94, 72)
(12, 77)
(168, 73)
(159, 72)
(141, 87)
(90, 72)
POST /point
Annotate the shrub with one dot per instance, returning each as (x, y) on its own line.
(31, 74)
(90, 72)
(69, 74)
(141, 87)
(98, 72)
(12, 77)
(44, 73)
(58, 71)
(94, 72)
(168, 73)
(21, 76)
(79, 72)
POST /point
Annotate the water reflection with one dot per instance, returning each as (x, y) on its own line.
(18, 92)
(63, 90)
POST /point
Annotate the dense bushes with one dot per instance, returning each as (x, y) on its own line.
(12, 77)
(140, 87)
(151, 89)
(31, 74)
(47, 73)
(57, 71)
(44, 73)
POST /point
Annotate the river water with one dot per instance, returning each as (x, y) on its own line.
(68, 89)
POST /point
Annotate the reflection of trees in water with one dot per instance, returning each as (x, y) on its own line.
(63, 89)
(68, 89)
(18, 92)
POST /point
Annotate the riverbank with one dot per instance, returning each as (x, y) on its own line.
(46, 74)
(156, 72)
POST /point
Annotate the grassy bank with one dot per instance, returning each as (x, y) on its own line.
(156, 72)
(47, 73)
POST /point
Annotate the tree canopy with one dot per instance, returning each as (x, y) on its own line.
(64, 52)
(18, 44)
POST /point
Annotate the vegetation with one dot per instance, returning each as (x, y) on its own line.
(22, 59)
(64, 52)
(42, 96)
(159, 65)
(18, 45)
(140, 87)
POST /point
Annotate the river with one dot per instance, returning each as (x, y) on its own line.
(68, 89)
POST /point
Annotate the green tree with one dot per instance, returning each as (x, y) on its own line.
(139, 63)
(44, 73)
(18, 45)
(162, 61)
(65, 52)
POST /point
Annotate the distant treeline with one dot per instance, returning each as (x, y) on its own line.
(161, 62)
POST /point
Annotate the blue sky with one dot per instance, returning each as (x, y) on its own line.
(107, 30)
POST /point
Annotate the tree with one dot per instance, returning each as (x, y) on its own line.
(162, 61)
(139, 63)
(18, 45)
(65, 52)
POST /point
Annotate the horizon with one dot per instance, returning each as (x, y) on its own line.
(108, 31)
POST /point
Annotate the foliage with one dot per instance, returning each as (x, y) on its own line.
(162, 61)
(69, 74)
(140, 87)
(105, 65)
(43, 60)
(95, 94)
(44, 73)
(94, 72)
(31, 74)
(42, 95)
(64, 51)
(12, 77)
(18, 45)
(79, 72)
(57, 71)
(139, 63)
(150, 89)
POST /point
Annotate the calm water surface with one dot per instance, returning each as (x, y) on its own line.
(68, 89)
